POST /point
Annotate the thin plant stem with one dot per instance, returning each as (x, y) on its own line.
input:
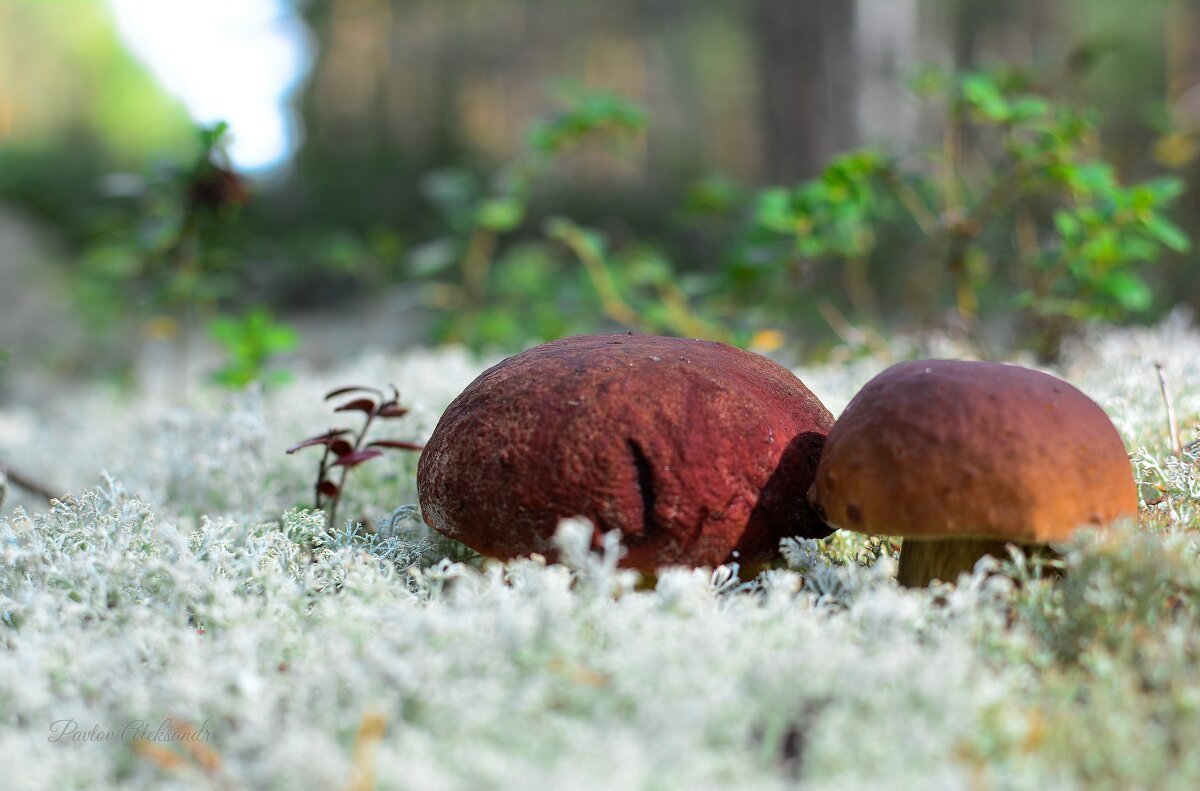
(913, 204)
(684, 318)
(858, 288)
(866, 336)
(321, 469)
(1172, 424)
(476, 264)
(358, 440)
(606, 288)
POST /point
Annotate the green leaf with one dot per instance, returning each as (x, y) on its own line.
(1028, 108)
(1130, 291)
(249, 342)
(501, 214)
(983, 94)
(279, 339)
(1094, 178)
(433, 257)
(587, 241)
(213, 136)
(1167, 233)
(1068, 226)
(588, 114)
(1166, 189)
(774, 211)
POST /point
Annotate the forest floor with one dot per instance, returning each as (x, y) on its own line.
(184, 579)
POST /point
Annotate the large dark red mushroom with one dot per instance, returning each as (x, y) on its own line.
(961, 458)
(698, 452)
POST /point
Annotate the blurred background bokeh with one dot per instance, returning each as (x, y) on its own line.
(235, 183)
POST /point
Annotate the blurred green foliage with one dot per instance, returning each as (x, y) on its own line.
(493, 293)
(1016, 213)
(156, 249)
(75, 104)
(158, 263)
(1016, 216)
(589, 114)
(250, 342)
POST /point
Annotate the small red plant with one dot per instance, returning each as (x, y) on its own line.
(347, 449)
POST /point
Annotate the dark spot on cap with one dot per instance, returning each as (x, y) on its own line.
(854, 513)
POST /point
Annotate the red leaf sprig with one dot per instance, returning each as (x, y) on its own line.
(345, 448)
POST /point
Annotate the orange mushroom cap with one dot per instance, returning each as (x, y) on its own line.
(943, 449)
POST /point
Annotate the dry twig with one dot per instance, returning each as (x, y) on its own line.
(1172, 424)
(25, 482)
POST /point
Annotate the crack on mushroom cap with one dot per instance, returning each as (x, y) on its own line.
(644, 477)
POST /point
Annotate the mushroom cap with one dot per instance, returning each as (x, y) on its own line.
(694, 450)
(955, 449)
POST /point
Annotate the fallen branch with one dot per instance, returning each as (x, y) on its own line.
(25, 482)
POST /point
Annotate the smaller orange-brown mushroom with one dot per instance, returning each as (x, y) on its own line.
(960, 458)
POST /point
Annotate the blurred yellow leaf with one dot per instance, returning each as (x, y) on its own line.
(767, 340)
(158, 328)
(366, 743)
(1176, 149)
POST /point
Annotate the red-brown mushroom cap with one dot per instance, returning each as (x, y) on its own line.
(957, 449)
(698, 452)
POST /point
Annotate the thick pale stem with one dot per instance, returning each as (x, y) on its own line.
(923, 561)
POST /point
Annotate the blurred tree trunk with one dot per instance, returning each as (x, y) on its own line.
(807, 69)
(969, 20)
(1178, 148)
(998, 32)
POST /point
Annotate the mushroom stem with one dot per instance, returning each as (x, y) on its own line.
(924, 560)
